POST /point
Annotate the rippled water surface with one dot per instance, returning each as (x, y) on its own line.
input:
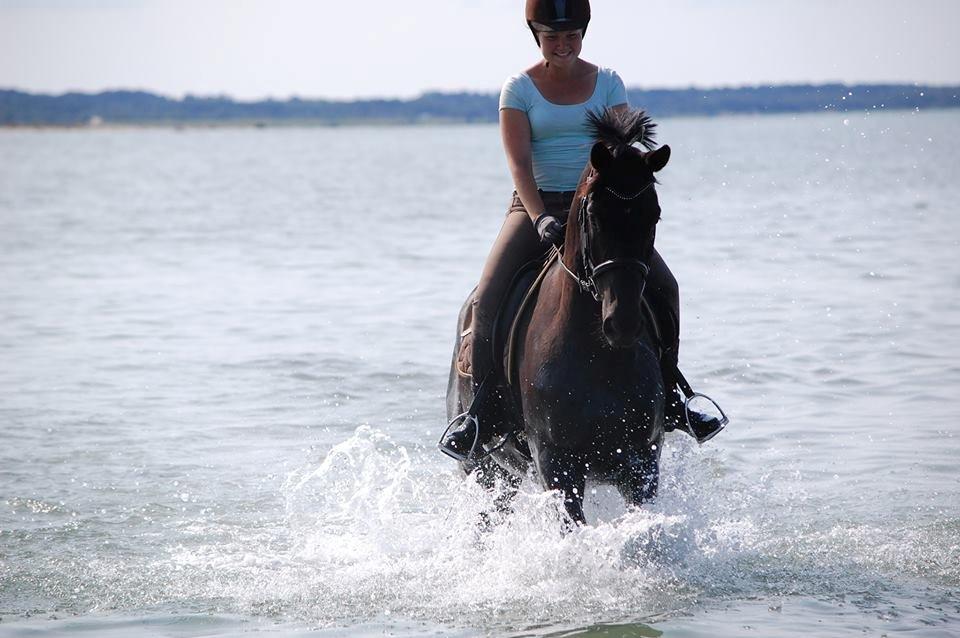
(223, 360)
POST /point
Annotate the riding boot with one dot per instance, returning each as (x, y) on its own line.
(471, 433)
(673, 412)
(485, 306)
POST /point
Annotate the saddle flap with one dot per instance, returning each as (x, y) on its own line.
(521, 297)
(514, 301)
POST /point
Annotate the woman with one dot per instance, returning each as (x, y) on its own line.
(542, 116)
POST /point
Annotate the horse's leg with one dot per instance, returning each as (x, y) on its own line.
(490, 476)
(639, 479)
(510, 488)
(563, 470)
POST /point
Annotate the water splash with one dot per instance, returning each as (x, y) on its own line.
(374, 532)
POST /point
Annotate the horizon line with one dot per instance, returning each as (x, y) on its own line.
(426, 92)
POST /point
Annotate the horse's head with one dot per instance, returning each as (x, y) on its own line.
(617, 215)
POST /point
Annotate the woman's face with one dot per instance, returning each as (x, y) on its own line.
(561, 47)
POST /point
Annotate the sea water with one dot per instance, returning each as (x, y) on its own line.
(223, 359)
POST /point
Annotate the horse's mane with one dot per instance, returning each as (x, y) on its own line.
(620, 130)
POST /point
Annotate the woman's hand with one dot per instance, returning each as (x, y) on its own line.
(549, 229)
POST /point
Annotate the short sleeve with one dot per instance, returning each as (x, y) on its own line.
(512, 95)
(616, 91)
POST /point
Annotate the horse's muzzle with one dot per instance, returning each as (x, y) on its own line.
(621, 331)
(623, 315)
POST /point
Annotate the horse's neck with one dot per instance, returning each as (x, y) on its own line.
(576, 304)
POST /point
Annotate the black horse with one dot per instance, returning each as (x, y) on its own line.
(588, 396)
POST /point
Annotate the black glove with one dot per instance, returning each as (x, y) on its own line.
(549, 229)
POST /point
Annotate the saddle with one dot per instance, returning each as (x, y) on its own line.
(520, 297)
(522, 288)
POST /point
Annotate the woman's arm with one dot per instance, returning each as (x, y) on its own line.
(515, 132)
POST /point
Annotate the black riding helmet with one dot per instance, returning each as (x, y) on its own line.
(557, 15)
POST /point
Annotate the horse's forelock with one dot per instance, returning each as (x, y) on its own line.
(620, 130)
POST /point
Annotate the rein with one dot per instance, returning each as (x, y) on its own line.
(591, 271)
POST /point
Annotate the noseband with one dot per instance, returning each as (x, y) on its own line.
(592, 271)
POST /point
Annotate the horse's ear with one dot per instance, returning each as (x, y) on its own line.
(600, 157)
(658, 159)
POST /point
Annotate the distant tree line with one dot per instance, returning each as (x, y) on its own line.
(18, 108)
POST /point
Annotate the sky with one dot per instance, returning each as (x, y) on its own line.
(253, 49)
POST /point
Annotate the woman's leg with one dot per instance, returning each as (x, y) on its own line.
(516, 244)
(663, 292)
(664, 295)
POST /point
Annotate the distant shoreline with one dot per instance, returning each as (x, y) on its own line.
(185, 126)
(143, 109)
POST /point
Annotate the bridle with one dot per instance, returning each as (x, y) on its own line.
(592, 271)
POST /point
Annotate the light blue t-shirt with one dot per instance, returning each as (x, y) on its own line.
(560, 140)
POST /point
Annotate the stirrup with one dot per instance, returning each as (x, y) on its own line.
(462, 418)
(722, 421)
